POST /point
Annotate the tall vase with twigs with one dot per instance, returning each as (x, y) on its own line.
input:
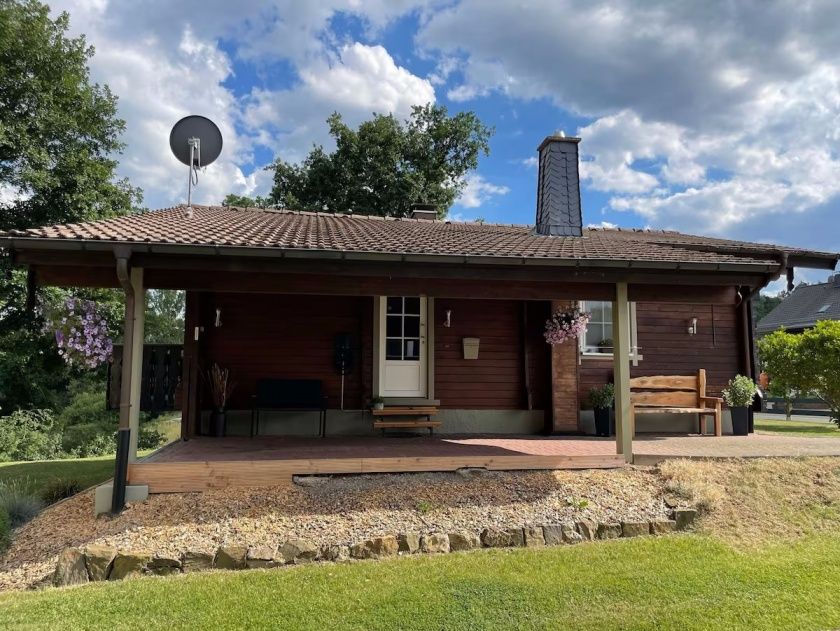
(220, 386)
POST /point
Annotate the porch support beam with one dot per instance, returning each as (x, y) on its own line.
(621, 372)
(136, 371)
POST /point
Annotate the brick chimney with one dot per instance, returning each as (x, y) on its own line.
(558, 187)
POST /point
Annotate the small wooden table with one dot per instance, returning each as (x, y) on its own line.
(405, 417)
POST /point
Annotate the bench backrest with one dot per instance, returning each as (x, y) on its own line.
(669, 391)
(289, 393)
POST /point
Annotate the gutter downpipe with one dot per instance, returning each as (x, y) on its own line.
(124, 431)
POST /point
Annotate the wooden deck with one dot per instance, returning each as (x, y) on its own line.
(207, 463)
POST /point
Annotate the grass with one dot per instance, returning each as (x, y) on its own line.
(685, 582)
(796, 428)
(86, 471)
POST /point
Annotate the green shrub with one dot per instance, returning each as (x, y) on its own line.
(18, 501)
(149, 438)
(601, 398)
(86, 406)
(739, 392)
(29, 435)
(89, 439)
(5, 531)
(59, 489)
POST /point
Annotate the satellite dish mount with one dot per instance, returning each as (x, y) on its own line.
(188, 137)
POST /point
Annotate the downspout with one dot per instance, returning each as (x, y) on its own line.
(124, 431)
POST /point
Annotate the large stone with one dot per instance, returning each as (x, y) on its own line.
(609, 531)
(70, 568)
(163, 565)
(375, 548)
(662, 526)
(463, 540)
(553, 534)
(435, 543)
(684, 518)
(493, 538)
(335, 553)
(299, 551)
(261, 557)
(129, 565)
(99, 560)
(310, 480)
(634, 528)
(194, 561)
(230, 557)
(408, 542)
(587, 528)
(472, 472)
(570, 534)
(534, 537)
(517, 537)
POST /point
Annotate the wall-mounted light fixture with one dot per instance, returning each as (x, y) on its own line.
(692, 326)
(448, 321)
(218, 321)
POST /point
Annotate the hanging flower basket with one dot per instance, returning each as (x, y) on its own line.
(81, 334)
(568, 324)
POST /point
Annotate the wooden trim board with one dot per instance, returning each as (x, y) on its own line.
(182, 477)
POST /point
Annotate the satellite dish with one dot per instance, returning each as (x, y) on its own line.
(196, 141)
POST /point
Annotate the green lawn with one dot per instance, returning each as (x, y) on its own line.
(86, 471)
(677, 582)
(796, 428)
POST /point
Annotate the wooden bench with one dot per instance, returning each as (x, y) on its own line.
(674, 395)
(410, 417)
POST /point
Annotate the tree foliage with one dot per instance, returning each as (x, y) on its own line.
(808, 362)
(385, 165)
(781, 359)
(243, 201)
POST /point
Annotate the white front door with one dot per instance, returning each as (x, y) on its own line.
(402, 346)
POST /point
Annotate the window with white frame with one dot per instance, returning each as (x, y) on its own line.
(598, 339)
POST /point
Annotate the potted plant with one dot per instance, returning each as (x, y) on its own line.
(220, 386)
(377, 403)
(601, 399)
(739, 394)
(605, 346)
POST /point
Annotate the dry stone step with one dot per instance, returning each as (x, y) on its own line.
(634, 528)
(460, 541)
(70, 568)
(534, 536)
(684, 518)
(553, 534)
(408, 542)
(587, 528)
(193, 561)
(609, 531)
(375, 548)
(434, 543)
(335, 553)
(163, 566)
(230, 557)
(99, 560)
(299, 551)
(129, 564)
(662, 526)
(570, 534)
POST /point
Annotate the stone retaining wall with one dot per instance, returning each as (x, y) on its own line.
(99, 563)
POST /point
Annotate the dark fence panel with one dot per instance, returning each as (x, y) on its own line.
(160, 389)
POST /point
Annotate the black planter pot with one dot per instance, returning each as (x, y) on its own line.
(217, 423)
(602, 421)
(740, 421)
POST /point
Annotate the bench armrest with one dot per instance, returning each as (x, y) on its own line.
(714, 399)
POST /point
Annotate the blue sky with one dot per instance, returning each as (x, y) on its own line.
(714, 118)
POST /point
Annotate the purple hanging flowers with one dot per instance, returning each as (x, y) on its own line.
(81, 334)
(566, 325)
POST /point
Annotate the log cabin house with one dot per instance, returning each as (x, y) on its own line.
(268, 293)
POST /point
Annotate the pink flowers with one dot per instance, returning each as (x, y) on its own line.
(566, 325)
(81, 334)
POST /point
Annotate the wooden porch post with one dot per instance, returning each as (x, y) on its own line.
(621, 372)
(136, 369)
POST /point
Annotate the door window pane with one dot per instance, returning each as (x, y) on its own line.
(394, 326)
(412, 349)
(412, 305)
(412, 326)
(394, 304)
(393, 349)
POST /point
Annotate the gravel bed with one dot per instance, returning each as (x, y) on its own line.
(339, 510)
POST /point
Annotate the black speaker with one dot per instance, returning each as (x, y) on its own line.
(343, 353)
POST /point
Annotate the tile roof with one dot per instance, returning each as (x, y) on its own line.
(221, 227)
(804, 307)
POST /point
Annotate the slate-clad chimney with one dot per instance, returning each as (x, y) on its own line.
(558, 187)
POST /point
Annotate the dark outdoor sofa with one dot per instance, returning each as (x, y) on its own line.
(290, 395)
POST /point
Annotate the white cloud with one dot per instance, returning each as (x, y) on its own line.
(478, 190)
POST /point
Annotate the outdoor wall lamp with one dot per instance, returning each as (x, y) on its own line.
(218, 321)
(448, 321)
(692, 326)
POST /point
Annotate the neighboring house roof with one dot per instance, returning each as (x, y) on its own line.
(229, 227)
(804, 307)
